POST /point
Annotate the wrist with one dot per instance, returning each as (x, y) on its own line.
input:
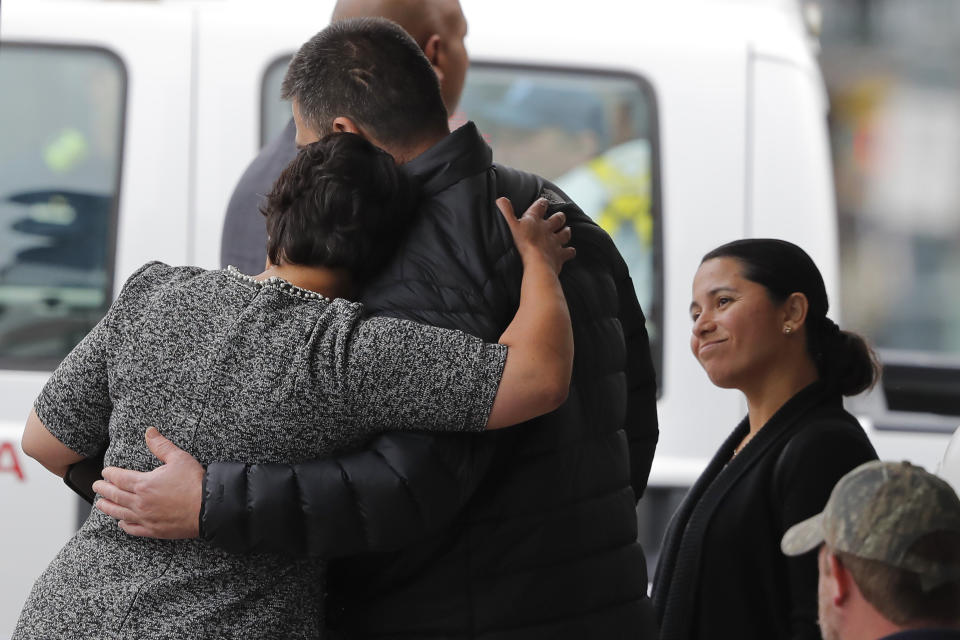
(532, 258)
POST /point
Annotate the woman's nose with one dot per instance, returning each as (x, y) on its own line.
(702, 325)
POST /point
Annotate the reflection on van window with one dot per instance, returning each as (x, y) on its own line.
(592, 135)
(59, 173)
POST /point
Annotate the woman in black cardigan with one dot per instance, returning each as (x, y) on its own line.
(760, 325)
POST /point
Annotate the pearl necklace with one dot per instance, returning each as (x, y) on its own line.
(278, 283)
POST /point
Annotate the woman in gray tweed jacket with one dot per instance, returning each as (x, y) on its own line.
(204, 352)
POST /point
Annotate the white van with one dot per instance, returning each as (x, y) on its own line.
(125, 125)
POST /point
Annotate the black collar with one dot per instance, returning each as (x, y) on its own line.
(460, 154)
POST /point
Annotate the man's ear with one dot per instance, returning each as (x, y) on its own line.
(345, 124)
(433, 51)
(839, 580)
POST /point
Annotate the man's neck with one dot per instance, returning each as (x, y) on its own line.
(866, 623)
(403, 156)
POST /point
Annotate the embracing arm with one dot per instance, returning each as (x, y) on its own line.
(43, 446)
(404, 486)
(70, 418)
(401, 486)
(536, 376)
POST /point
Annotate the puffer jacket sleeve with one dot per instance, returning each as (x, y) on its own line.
(641, 422)
(398, 489)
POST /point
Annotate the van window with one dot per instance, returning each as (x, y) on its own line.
(61, 122)
(594, 135)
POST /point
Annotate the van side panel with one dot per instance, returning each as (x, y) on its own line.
(790, 192)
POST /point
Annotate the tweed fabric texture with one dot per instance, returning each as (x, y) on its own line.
(231, 370)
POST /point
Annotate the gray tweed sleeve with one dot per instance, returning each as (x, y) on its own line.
(75, 404)
(400, 375)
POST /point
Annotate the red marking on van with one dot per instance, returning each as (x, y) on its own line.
(8, 452)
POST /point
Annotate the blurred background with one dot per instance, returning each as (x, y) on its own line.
(892, 69)
(92, 114)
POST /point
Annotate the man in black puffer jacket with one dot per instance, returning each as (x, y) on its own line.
(522, 534)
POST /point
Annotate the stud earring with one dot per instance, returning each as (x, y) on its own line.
(787, 329)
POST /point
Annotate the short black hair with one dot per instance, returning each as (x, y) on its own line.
(372, 71)
(341, 203)
(843, 359)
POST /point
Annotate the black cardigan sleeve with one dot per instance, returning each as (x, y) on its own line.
(396, 490)
(807, 470)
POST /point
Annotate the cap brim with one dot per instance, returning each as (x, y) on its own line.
(803, 536)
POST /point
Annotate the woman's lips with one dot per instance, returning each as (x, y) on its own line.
(709, 346)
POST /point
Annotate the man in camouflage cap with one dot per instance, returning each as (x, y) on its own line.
(890, 555)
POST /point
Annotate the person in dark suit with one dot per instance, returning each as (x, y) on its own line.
(760, 325)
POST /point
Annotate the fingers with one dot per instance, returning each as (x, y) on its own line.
(538, 209)
(121, 478)
(556, 221)
(567, 253)
(506, 208)
(114, 510)
(160, 446)
(564, 235)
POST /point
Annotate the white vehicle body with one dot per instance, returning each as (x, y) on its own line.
(738, 147)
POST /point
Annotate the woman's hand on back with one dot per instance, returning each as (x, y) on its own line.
(539, 238)
(536, 375)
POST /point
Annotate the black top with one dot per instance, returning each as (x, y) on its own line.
(244, 240)
(721, 567)
(525, 533)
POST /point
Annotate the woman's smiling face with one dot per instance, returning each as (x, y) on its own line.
(737, 329)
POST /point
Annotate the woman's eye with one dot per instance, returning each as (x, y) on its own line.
(722, 300)
(694, 316)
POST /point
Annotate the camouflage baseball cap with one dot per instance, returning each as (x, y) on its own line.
(878, 511)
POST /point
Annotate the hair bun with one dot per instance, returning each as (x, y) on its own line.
(846, 360)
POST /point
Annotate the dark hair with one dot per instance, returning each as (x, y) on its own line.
(843, 359)
(899, 594)
(370, 70)
(342, 202)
